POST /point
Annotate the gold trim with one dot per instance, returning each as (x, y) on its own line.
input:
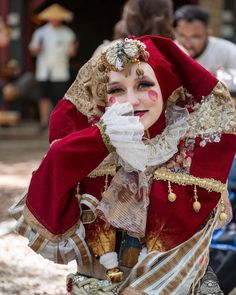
(208, 184)
(38, 227)
(103, 170)
(105, 137)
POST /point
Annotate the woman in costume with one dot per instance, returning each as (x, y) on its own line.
(134, 181)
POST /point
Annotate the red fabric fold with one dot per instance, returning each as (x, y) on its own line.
(65, 119)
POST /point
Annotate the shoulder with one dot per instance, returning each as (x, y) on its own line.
(66, 29)
(44, 28)
(41, 30)
(221, 43)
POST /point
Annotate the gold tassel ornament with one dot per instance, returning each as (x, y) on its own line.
(223, 216)
(196, 203)
(171, 195)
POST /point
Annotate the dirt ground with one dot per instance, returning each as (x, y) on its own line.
(22, 272)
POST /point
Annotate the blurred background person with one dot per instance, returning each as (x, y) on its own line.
(4, 34)
(4, 41)
(53, 44)
(21, 92)
(144, 17)
(192, 31)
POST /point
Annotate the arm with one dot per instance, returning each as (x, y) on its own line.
(73, 44)
(36, 43)
(49, 216)
(67, 162)
(72, 49)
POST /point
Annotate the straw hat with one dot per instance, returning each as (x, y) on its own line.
(55, 12)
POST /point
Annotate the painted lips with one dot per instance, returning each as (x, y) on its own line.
(140, 113)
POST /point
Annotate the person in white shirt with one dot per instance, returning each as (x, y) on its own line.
(53, 44)
(217, 55)
(192, 31)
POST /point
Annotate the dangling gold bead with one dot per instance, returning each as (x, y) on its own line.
(223, 216)
(171, 197)
(101, 67)
(139, 72)
(104, 79)
(196, 206)
(145, 54)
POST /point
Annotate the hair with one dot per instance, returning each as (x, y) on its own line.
(145, 17)
(191, 13)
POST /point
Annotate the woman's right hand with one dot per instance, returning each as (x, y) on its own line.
(126, 132)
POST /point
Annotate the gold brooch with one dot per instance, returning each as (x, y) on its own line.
(121, 54)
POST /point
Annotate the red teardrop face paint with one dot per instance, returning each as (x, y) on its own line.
(111, 100)
(153, 95)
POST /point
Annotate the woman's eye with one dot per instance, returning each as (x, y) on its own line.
(144, 85)
(114, 90)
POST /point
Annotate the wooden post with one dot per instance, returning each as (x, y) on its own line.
(215, 9)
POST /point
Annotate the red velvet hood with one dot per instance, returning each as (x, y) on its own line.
(174, 68)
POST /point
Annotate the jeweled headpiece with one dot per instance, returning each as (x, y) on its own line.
(119, 55)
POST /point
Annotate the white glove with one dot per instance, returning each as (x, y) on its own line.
(109, 260)
(125, 132)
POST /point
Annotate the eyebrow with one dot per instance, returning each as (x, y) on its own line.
(136, 79)
(113, 83)
(144, 77)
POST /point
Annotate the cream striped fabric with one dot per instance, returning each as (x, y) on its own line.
(73, 247)
(176, 271)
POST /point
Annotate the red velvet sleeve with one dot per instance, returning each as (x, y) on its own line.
(65, 119)
(50, 196)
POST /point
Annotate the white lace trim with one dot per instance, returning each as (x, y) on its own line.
(164, 146)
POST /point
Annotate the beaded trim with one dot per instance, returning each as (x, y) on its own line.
(184, 179)
(162, 174)
(105, 137)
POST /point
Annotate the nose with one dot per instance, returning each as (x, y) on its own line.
(186, 43)
(132, 98)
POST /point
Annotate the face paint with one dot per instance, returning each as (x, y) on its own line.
(143, 94)
(112, 100)
(153, 95)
